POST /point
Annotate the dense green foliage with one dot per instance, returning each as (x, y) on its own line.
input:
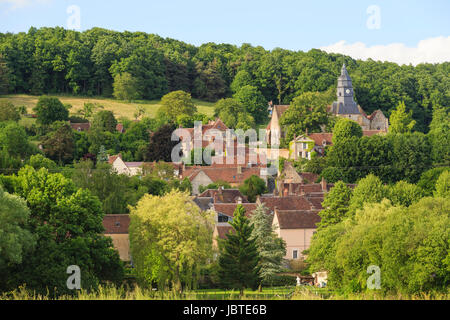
(335, 205)
(9, 112)
(55, 60)
(15, 239)
(346, 128)
(409, 244)
(67, 224)
(49, 110)
(170, 240)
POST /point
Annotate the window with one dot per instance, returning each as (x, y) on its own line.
(305, 146)
(294, 254)
(222, 218)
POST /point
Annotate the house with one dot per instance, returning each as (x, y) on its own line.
(221, 195)
(86, 126)
(137, 168)
(224, 215)
(122, 167)
(304, 146)
(296, 228)
(274, 132)
(235, 176)
(344, 107)
(80, 126)
(209, 133)
(116, 227)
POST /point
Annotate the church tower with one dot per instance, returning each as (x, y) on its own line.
(345, 103)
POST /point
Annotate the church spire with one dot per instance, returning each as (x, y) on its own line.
(345, 102)
(344, 73)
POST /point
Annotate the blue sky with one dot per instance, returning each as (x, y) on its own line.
(290, 24)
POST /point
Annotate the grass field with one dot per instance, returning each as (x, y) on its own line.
(120, 108)
(279, 293)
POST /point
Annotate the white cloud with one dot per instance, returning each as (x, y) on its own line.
(432, 50)
(19, 4)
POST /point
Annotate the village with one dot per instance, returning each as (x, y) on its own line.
(294, 200)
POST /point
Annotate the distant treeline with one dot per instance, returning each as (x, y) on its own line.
(59, 61)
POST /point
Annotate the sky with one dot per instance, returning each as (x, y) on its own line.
(402, 31)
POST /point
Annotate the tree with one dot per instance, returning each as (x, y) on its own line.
(170, 240)
(88, 110)
(253, 102)
(214, 186)
(242, 79)
(110, 188)
(253, 187)
(161, 145)
(346, 128)
(409, 244)
(400, 120)
(410, 156)
(209, 83)
(38, 161)
(14, 140)
(104, 120)
(233, 114)
(140, 111)
(176, 103)
(15, 239)
(307, 112)
(4, 76)
(126, 87)
(335, 205)
(439, 135)
(58, 144)
(239, 259)
(443, 185)
(271, 249)
(8, 111)
(429, 178)
(68, 226)
(49, 110)
(404, 194)
(368, 190)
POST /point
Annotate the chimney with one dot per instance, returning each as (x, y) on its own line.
(324, 185)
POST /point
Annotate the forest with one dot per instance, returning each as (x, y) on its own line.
(90, 63)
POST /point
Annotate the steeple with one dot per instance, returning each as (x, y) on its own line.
(345, 103)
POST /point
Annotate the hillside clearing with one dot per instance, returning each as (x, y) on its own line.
(120, 108)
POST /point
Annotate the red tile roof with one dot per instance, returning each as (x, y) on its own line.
(280, 109)
(81, 126)
(297, 219)
(119, 127)
(286, 203)
(227, 174)
(319, 138)
(369, 133)
(229, 208)
(116, 223)
(111, 159)
(222, 231)
(224, 196)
